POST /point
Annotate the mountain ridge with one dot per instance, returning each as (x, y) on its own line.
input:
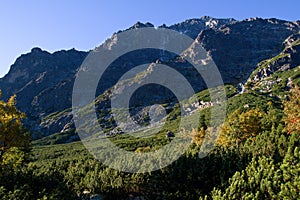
(43, 81)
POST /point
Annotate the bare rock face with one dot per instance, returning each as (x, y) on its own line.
(60, 123)
(43, 81)
(238, 47)
(192, 27)
(35, 76)
(288, 59)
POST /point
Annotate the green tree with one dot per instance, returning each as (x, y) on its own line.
(290, 170)
(264, 179)
(202, 122)
(12, 159)
(257, 181)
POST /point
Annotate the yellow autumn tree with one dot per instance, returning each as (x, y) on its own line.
(292, 111)
(198, 136)
(11, 132)
(239, 126)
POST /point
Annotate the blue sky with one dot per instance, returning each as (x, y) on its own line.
(54, 25)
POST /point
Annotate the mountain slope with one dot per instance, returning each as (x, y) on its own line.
(43, 82)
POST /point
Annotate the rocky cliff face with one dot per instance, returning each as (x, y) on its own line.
(288, 59)
(43, 82)
(238, 47)
(278, 71)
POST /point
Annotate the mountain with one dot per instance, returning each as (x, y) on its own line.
(43, 81)
(39, 76)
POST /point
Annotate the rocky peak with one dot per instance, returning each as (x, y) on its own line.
(141, 25)
(36, 50)
(135, 26)
(192, 27)
(237, 48)
(38, 61)
(39, 71)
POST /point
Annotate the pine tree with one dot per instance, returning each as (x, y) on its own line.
(202, 122)
(290, 169)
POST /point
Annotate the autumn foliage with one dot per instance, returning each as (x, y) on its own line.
(240, 126)
(292, 111)
(11, 132)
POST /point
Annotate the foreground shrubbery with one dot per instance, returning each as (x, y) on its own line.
(256, 157)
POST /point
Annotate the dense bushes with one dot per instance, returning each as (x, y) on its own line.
(264, 178)
(257, 157)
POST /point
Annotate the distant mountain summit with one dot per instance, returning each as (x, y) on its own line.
(192, 27)
(43, 81)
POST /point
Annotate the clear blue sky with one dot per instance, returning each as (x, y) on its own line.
(54, 25)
